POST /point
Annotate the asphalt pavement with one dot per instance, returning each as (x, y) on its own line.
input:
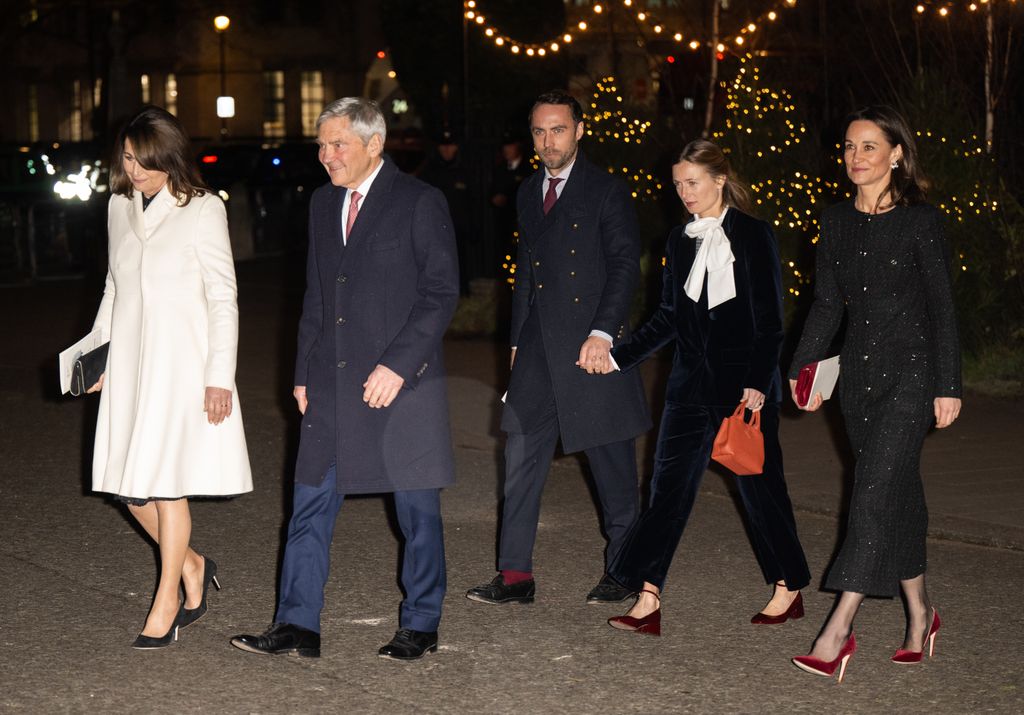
(77, 576)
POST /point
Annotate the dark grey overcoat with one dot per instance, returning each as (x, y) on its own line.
(385, 298)
(577, 269)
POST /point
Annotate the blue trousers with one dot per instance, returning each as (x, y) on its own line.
(307, 555)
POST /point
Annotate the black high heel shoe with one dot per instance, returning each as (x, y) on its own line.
(191, 615)
(151, 643)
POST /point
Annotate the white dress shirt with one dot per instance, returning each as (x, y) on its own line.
(363, 189)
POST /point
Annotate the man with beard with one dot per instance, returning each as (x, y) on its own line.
(578, 263)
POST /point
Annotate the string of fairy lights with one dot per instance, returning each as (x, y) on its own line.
(645, 18)
(794, 202)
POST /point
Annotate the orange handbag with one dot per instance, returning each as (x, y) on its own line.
(740, 444)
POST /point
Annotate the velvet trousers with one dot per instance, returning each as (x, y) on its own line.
(685, 441)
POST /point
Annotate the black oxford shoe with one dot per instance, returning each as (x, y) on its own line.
(281, 639)
(497, 591)
(409, 645)
(608, 591)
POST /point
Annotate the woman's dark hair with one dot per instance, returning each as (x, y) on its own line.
(710, 156)
(907, 186)
(160, 144)
(559, 97)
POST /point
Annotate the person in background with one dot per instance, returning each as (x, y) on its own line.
(169, 425)
(448, 171)
(513, 168)
(883, 263)
(721, 309)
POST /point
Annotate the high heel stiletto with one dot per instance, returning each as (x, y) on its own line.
(909, 657)
(649, 624)
(827, 668)
(151, 642)
(191, 615)
(795, 611)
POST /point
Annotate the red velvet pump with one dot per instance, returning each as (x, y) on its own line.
(649, 624)
(795, 611)
(827, 668)
(909, 657)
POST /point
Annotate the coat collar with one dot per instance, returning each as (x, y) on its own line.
(570, 202)
(372, 205)
(144, 223)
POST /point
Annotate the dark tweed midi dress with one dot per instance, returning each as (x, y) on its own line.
(889, 274)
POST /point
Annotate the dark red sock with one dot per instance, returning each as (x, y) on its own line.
(513, 577)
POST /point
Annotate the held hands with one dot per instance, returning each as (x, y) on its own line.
(947, 409)
(98, 386)
(595, 356)
(217, 405)
(381, 387)
(812, 404)
(753, 398)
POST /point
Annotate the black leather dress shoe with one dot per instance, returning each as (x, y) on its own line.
(608, 591)
(281, 639)
(409, 645)
(497, 591)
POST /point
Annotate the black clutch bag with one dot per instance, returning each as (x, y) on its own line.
(87, 369)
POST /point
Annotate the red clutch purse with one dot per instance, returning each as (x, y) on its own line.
(804, 382)
(739, 445)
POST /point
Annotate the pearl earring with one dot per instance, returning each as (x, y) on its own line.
(894, 165)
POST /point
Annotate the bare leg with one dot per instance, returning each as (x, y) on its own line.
(838, 626)
(919, 613)
(782, 599)
(646, 603)
(192, 571)
(174, 526)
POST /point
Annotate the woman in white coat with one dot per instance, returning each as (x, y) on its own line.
(169, 424)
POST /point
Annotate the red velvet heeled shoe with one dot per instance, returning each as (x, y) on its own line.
(795, 610)
(909, 657)
(826, 668)
(649, 624)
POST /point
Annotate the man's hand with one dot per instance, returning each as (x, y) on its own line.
(947, 409)
(217, 405)
(381, 387)
(594, 355)
(299, 393)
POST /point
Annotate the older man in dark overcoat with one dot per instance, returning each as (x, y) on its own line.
(382, 286)
(577, 268)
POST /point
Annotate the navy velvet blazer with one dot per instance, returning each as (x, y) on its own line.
(385, 298)
(735, 345)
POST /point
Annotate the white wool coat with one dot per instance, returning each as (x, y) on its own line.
(170, 312)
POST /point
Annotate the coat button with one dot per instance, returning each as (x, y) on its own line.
(342, 278)
(572, 251)
(575, 225)
(341, 321)
(576, 300)
(572, 274)
(539, 286)
(536, 263)
(341, 365)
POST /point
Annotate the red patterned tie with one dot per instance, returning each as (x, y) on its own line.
(353, 211)
(551, 196)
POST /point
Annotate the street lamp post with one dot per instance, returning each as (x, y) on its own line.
(225, 104)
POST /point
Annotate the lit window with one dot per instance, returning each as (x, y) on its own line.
(33, 113)
(273, 105)
(171, 94)
(312, 92)
(144, 88)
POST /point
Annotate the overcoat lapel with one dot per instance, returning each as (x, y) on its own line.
(332, 248)
(533, 213)
(372, 206)
(144, 223)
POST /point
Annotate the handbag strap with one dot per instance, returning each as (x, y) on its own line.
(755, 421)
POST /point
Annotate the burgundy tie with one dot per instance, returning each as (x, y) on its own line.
(353, 211)
(551, 196)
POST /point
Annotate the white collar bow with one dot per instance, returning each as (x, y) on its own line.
(714, 259)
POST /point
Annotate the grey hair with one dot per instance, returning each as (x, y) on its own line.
(364, 116)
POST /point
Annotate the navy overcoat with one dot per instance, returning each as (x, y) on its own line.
(385, 298)
(736, 344)
(577, 269)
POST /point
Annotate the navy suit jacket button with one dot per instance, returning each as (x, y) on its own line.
(341, 364)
